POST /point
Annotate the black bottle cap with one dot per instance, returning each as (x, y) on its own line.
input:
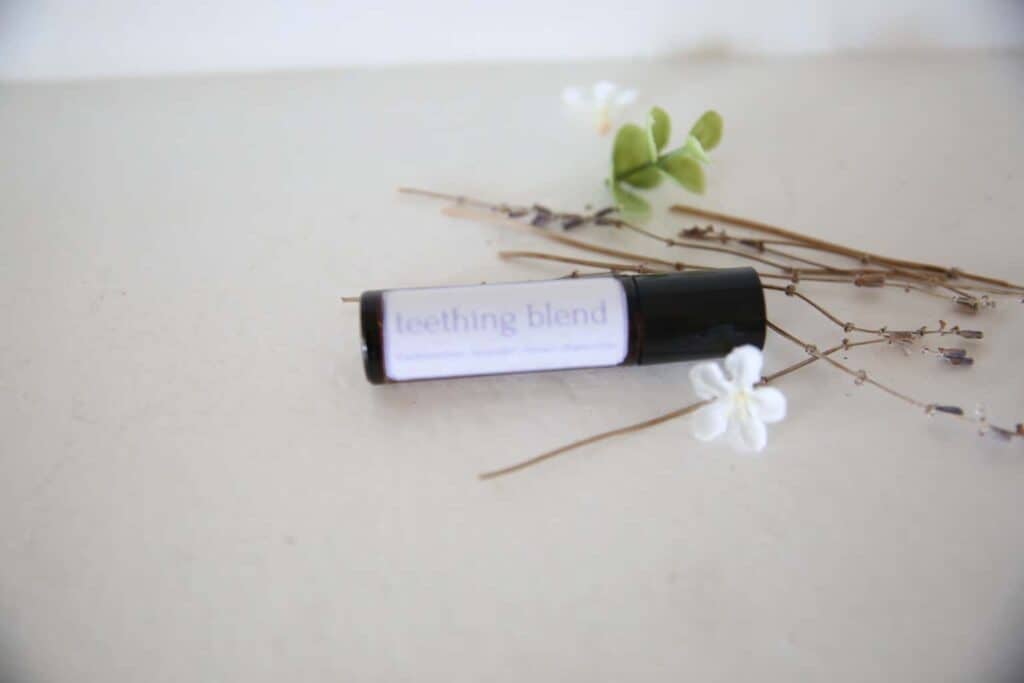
(696, 314)
(371, 309)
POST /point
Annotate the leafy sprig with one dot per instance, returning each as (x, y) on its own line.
(638, 160)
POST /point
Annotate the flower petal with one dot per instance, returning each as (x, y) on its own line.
(744, 365)
(624, 98)
(603, 91)
(710, 421)
(768, 404)
(709, 382)
(746, 432)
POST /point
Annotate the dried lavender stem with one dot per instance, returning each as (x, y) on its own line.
(902, 275)
(819, 268)
(458, 199)
(461, 200)
(646, 262)
(862, 378)
(887, 334)
(670, 242)
(505, 214)
(807, 361)
(497, 219)
(859, 376)
(863, 256)
(604, 265)
(895, 268)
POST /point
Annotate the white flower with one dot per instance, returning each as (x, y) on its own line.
(737, 408)
(601, 106)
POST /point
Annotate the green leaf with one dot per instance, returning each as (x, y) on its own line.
(646, 178)
(631, 151)
(708, 130)
(684, 170)
(660, 126)
(629, 202)
(693, 149)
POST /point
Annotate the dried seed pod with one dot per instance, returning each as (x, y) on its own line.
(1000, 433)
(967, 301)
(950, 410)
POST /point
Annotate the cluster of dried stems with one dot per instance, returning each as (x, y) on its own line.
(779, 255)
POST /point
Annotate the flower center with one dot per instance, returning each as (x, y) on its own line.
(741, 402)
(604, 120)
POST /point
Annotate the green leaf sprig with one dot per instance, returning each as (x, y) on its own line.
(638, 161)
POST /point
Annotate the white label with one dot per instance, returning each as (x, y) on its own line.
(493, 329)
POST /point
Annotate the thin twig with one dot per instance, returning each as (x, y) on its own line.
(906, 272)
(685, 410)
(862, 256)
(670, 242)
(604, 265)
(637, 426)
(862, 377)
(892, 335)
(646, 263)
(463, 207)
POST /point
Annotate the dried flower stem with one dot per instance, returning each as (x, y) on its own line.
(932, 276)
(604, 265)
(889, 335)
(651, 264)
(862, 256)
(679, 412)
(503, 214)
(889, 272)
(670, 242)
(859, 276)
(864, 277)
(862, 377)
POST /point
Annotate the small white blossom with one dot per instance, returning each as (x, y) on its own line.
(737, 408)
(601, 106)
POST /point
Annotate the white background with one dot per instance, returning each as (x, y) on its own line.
(197, 483)
(54, 39)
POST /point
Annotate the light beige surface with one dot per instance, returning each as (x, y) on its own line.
(197, 484)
